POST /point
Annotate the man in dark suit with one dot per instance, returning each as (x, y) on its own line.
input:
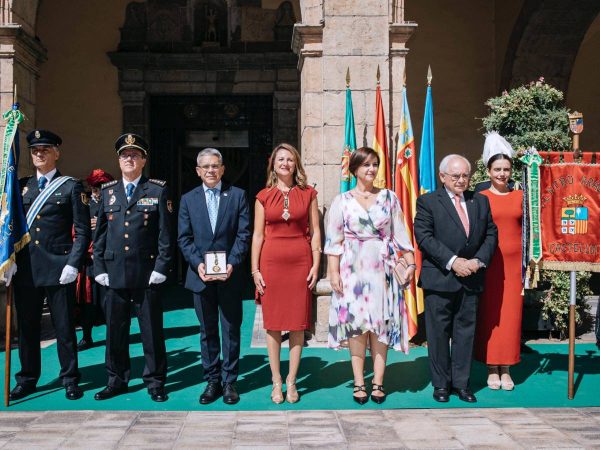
(457, 236)
(215, 217)
(132, 257)
(56, 207)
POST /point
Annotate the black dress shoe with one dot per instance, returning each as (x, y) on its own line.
(230, 395)
(465, 395)
(441, 395)
(21, 391)
(360, 399)
(379, 399)
(73, 391)
(110, 392)
(158, 394)
(212, 392)
(84, 344)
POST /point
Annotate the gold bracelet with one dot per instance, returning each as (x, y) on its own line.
(317, 249)
(255, 271)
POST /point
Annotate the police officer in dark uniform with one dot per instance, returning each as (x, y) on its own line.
(56, 207)
(132, 257)
(90, 295)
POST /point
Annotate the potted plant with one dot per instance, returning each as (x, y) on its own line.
(535, 115)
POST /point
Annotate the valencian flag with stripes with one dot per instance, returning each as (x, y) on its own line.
(347, 180)
(13, 226)
(380, 145)
(407, 191)
(427, 175)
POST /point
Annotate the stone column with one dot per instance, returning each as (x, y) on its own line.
(336, 35)
(20, 58)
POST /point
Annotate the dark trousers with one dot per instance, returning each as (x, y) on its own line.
(29, 302)
(148, 308)
(216, 303)
(450, 323)
(92, 313)
(598, 322)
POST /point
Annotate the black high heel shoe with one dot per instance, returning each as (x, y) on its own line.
(379, 399)
(360, 400)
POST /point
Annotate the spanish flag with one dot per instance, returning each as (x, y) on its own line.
(384, 178)
(406, 188)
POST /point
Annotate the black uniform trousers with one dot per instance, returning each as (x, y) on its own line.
(450, 319)
(148, 308)
(216, 303)
(29, 302)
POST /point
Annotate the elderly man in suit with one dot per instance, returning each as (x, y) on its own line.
(215, 217)
(457, 236)
(132, 258)
(59, 224)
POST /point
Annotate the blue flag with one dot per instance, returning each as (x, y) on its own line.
(14, 234)
(427, 175)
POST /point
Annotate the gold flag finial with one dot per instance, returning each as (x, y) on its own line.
(348, 77)
(378, 74)
(429, 76)
(15, 95)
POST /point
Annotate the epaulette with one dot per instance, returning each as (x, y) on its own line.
(161, 183)
(109, 184)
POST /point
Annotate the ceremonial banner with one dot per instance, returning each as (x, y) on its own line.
(406, 189)
(14, 234)
(570, 216)
(347, 180)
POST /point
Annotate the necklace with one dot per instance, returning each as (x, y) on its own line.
(286, 203)
(364, 195)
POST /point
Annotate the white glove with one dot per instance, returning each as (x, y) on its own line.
(7, 276)
(68, 275)
(102, 279)
(157, 278)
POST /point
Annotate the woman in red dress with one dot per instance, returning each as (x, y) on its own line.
(286, 251)
(498, 336)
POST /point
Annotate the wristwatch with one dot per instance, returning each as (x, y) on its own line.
(480, 263)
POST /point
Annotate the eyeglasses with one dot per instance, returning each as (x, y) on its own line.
(208, 167)
(130, 156)
(457, 177)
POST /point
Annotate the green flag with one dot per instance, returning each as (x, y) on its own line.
(347, 180)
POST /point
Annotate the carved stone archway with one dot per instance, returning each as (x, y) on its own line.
(545, 41)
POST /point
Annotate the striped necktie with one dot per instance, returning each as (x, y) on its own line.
(212, 207)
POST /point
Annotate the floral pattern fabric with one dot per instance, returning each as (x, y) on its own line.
(369, 243)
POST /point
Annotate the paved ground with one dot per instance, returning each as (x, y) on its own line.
(447, 429)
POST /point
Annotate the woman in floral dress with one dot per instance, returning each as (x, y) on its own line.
(364, 241)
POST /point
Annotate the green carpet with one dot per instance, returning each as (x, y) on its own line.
(325, 375)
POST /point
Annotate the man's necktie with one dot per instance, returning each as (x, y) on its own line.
(461, 214)
(42, 182)
(130, 187)
(212, 207)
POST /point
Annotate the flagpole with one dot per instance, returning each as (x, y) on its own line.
(7, 352)
(9, 300)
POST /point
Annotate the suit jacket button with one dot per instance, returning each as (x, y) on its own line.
(37, 229)
(128, 212)
(126, 248)
(38, 217)
(126, 224)
(37, 242)
(151, 256)
(126, 235)
(145, 223)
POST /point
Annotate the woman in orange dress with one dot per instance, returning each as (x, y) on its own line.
(286, 251)
(498, 335)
